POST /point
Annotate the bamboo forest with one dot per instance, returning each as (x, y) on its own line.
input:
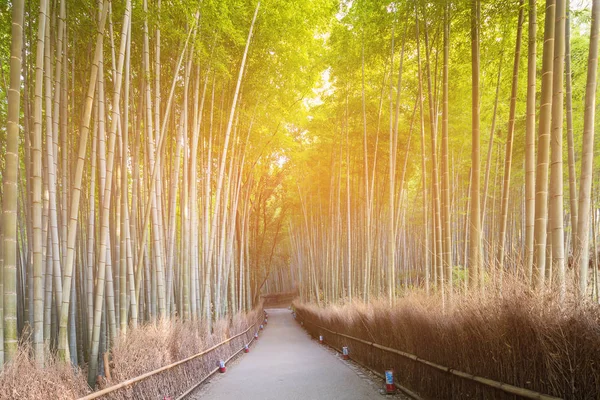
(407, 187)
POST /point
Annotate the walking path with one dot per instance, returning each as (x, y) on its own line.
(286, 364)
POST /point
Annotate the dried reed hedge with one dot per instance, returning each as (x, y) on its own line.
(23, 379)
(143, 350)
(152, 347)
(523, 339)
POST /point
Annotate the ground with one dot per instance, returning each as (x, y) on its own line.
(286, 363)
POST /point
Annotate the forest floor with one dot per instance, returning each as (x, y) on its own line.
(286, 363)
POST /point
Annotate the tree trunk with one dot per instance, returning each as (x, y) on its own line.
(543, 156)
(423, 157)
(446, 217)
(530, 141)
(10, 192)
(509, 145)
(209, 255)
(104, 251)
(556, 186)
(587, 159)
(36, 153)
(76, 186)
(570, 141)
(475, 270)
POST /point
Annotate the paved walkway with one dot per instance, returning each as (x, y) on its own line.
(286, 364)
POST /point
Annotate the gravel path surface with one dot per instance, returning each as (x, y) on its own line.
(286, 364)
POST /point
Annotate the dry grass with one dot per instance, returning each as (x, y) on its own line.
(530, 341)
(152, 347)
(23, 379)
(147, 348)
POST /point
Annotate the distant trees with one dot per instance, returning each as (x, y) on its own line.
(431, 234)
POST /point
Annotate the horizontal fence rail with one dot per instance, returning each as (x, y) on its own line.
(147, 375)
(403, 389)
(505, 387)
(211, 373)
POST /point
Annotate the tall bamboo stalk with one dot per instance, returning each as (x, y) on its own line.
(509, 144)
(543, 155)
(587, 157)
(475, 270)
(8, 333)
(530, 141)
(556, 187)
